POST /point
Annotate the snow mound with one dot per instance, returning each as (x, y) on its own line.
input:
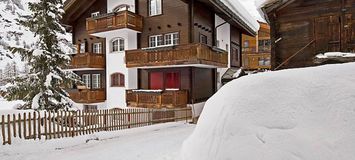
(297, 114)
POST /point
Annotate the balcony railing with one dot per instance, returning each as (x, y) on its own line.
(156, 99)
(88, 96)
(113, 21)
(177, 55)
(87, 60)
(252, 60)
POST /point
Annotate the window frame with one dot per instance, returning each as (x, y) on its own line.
(117, 80)
(156, 11)
(120, 45)
(97, 84)
(86, 80)
(82, 47)
(156, 42)
(202, 37)
(172, 40)
(94, 48)
(95, 14)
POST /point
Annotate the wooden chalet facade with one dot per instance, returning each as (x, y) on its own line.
(301, 29)
(256, 52)
(151, 53)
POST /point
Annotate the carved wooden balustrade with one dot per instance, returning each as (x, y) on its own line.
(88, 96)
(177, 55)
(156, 99)
(113, 21)
(87, 60)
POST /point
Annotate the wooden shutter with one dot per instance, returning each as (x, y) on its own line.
(121, 80)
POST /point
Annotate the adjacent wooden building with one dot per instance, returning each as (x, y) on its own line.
(256, 52)
(301, 29)
(152, 53)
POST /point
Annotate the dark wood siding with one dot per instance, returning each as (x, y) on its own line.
(236, 49)
(203, 23)
(174, 19)
(80, 35)
(199, 82)
(329, 23)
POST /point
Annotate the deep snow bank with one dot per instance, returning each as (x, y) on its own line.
(299, 114)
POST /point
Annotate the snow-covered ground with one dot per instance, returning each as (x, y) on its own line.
(9, 107)
(295, 114)
(158, 142)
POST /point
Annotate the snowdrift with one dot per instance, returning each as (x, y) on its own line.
(297, 114)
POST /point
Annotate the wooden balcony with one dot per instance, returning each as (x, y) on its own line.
(113, 21)
(177, 55)
(254, 61)
(87, 95)
(87, 60)
(156, 99)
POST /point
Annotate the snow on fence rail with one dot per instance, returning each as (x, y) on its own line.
(60, 124)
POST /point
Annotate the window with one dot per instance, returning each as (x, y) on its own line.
(82, 47)
(246, 44)
(156, 40)
(97, 48)
(172, 39)
(203, 39)
(117, 45)
(264, 45)
(87, 81)
(95, 14)
(117, 80)
(155, 7)
(264, 61)
(96, 84)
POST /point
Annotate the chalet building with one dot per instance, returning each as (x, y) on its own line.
(256, 52)
(153, 53)
(301, 29)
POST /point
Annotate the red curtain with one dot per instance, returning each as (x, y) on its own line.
(172, 80)
(156, 80)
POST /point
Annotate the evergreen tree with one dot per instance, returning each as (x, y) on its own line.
(43, 87)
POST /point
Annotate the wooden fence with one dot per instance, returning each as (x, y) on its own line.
(53, 125)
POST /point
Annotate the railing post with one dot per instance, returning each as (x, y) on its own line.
(3, 129)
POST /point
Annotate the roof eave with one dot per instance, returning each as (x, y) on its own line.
(234, 17)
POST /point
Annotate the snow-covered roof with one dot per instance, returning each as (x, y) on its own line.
(334, 57)
(237, 8)
(263, 4)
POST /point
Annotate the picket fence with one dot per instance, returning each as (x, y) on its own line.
(60, 124)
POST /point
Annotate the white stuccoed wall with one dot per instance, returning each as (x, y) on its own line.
(223, 36)
(116, 96)
(111, 4)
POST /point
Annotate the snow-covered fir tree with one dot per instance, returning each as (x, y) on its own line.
(43, 87)
(11, 70)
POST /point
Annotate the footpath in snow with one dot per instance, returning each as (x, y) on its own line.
(158, 142)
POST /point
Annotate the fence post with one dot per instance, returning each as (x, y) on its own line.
(39, 125)
(3, 129)
(19, 125)
(129, 118)
(9, 129)
(186, 110)
(14, 124)
(34, 125)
